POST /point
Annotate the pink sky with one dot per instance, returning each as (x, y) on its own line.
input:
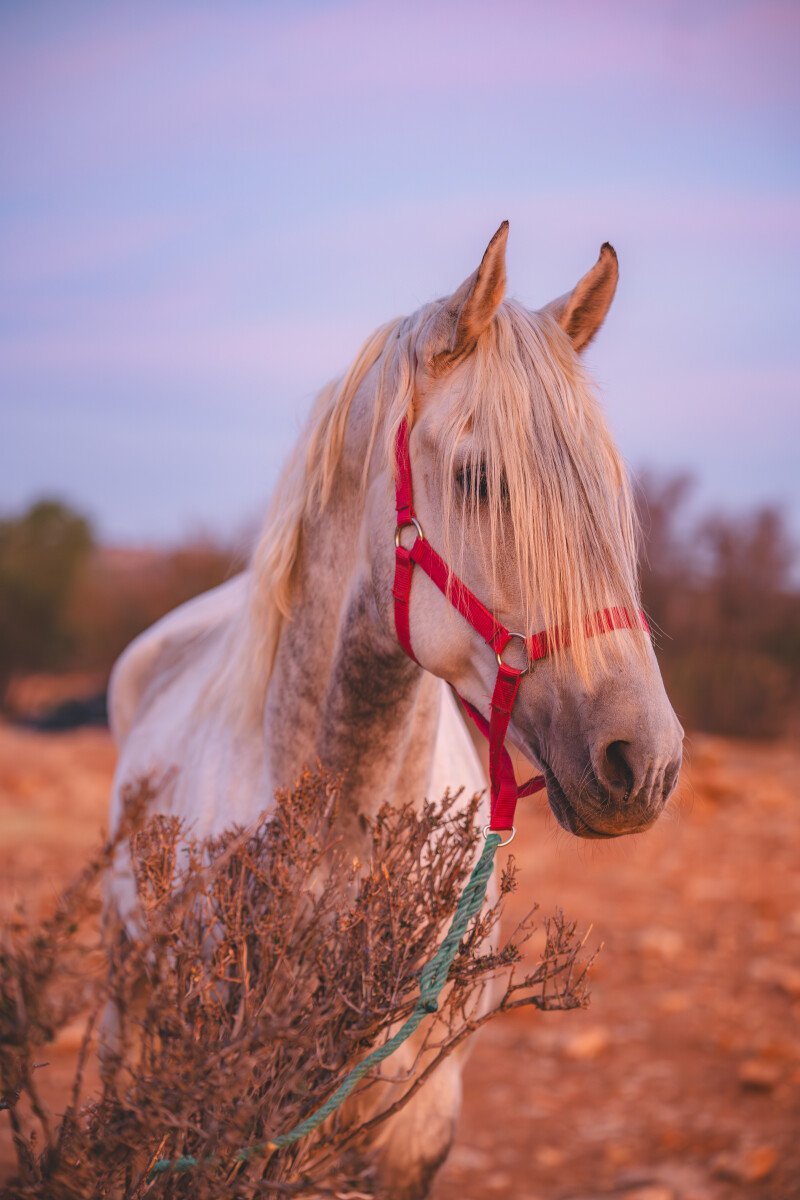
(205, 210)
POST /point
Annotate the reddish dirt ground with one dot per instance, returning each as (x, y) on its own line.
(682, 1079)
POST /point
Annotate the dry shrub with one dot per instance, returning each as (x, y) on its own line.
(267, 968)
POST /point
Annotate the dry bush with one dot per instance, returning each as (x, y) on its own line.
(251, 994)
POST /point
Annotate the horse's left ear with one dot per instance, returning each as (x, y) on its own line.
(581, 312)
(473, 306)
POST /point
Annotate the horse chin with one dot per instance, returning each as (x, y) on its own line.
(569, 818)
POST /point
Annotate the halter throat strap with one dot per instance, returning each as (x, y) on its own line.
(504, 791)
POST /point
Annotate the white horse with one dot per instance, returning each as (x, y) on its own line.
(297, 660)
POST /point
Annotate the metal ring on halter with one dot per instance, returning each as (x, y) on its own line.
(507, 842)
(409, 521)
(522, 638)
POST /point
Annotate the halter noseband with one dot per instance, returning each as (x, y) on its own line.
(504, 789)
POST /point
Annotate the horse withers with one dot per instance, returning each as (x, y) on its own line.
(518, 481)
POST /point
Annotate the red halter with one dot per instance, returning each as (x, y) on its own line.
(504, 789)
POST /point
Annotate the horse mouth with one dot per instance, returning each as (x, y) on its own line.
(565, 812)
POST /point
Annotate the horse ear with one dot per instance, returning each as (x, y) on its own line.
(477, 300)
(581, 312)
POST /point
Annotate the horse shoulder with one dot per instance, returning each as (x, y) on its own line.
(162, 649)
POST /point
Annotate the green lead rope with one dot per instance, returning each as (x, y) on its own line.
(432, 980)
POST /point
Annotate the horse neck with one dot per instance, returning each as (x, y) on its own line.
(342, 692)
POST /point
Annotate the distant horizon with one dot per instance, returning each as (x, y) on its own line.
(240, 536)
(205, 213)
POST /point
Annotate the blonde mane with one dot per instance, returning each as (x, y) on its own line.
(533, 425)
(533, 428)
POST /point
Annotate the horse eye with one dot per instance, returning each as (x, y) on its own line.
(473, 483)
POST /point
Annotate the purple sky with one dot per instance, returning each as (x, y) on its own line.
(204, 209)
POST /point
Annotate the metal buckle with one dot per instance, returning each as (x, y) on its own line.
(409, 521)
(528, 664)
(507, 842)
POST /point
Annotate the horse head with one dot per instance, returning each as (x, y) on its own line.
(517, 480)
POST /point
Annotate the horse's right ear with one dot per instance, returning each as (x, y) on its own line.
(472, 308)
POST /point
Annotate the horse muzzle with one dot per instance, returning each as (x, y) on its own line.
(613, 805)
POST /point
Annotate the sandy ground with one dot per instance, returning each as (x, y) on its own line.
(682, 1079)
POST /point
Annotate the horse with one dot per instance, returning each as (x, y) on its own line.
(297, 660)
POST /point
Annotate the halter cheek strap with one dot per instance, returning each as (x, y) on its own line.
(504, 790)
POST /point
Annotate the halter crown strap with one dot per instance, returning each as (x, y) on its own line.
(504, 789)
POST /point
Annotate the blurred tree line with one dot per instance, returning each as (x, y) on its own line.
(724, 598)
(68, 603)
(41, 553)
(722, 592)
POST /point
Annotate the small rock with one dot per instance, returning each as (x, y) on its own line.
(666, 943)
(767, 970)
(767, 933)
(672, 1137)
(618, 1154)
(718, 788)
(650, 1191)
(675, 1002)
(746, 1166)
(499, 1181)
(759, 1074)
(683, 1179)
(590, 1043)
(775, 796)
(704, 888)
(549, 1156)
(469, 1158)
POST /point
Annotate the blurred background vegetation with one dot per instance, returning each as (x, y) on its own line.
(70, 604)
(721, 590)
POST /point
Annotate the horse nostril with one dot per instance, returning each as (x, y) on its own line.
(671, 776)
(616, 773)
